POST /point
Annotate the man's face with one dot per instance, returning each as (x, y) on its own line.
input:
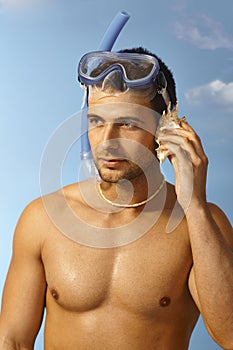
(121, 134)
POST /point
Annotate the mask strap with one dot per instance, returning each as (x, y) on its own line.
(166, 97)
(161, 83)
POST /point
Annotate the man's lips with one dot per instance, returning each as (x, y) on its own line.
(111, 162)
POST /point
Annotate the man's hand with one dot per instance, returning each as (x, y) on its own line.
(190, 164)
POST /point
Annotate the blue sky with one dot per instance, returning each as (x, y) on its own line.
(40, 45)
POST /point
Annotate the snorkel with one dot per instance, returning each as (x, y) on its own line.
(106, 44)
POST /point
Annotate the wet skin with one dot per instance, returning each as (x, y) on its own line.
(132, 296)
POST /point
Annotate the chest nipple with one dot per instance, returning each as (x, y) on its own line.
(165, 301)
(54, 294)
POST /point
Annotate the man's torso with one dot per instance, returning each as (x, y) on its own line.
(133, 296)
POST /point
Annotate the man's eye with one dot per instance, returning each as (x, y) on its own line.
(95, 122)
(127, 124)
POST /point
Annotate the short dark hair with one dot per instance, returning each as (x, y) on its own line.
(171, 85)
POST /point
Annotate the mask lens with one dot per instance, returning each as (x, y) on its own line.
(133, 70)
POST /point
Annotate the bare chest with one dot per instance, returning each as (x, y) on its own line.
(141, 277)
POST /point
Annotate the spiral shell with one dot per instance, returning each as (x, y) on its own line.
(168, 120)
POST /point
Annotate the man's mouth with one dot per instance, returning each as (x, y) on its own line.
(111, 162)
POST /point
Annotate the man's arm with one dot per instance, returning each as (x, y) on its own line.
(24, 291)
(211, 278)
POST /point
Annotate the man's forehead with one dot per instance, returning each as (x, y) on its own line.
(113, 110)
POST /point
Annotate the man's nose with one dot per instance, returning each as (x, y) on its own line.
(109, 132)
(109, 136)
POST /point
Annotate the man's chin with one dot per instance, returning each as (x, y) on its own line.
(110, 176)
(115, 176)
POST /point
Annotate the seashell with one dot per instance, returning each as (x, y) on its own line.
(168, 120)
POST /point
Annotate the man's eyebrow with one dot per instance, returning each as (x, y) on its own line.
(93, 115)
(131, 118)
(118, 119)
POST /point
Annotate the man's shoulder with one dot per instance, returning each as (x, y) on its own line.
(37, 218)
(222, 222)
(30, 229)
(218, 215)
(36, 211)
(69, 195)
(32, 210)
(57, 198)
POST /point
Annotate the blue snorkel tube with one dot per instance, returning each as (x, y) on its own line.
(106, 44)
(113, 31)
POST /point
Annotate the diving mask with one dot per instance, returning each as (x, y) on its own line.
(115, 72)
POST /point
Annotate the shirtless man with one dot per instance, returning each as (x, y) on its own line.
(142, 293)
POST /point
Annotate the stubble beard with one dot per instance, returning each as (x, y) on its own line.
(114, 175)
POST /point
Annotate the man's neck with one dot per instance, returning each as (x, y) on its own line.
(134, 190)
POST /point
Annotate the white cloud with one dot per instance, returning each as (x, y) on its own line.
(216, 92)
(211, 36)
